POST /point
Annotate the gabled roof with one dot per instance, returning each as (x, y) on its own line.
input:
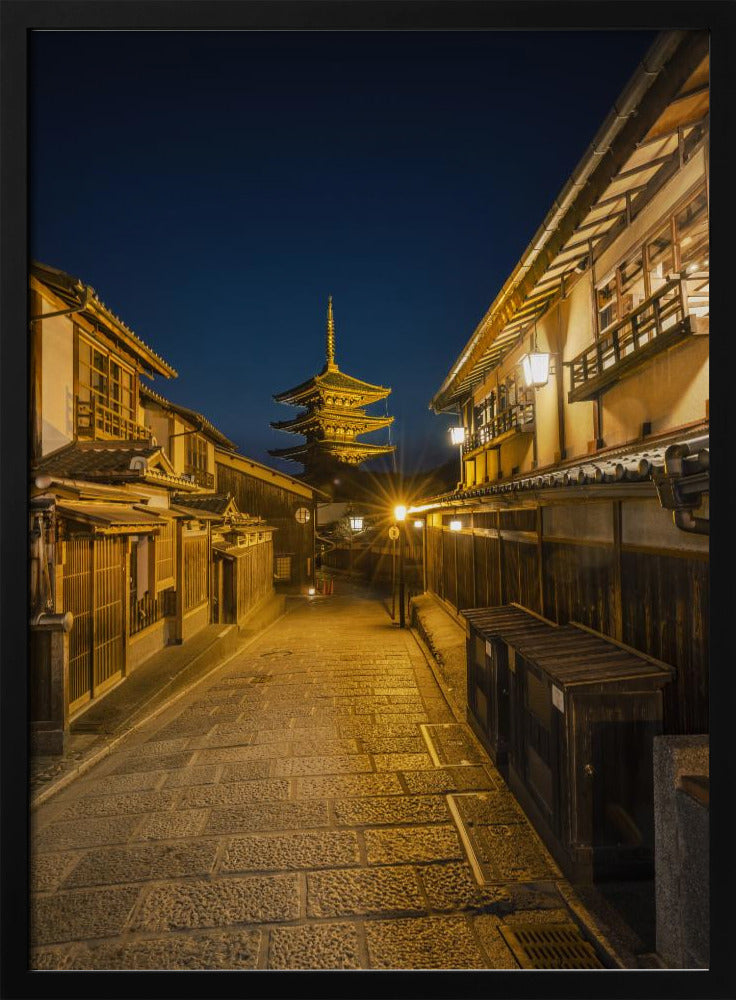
(213, 503)
(204, 426)
(111, 461)
(661, 115)
(75, 293)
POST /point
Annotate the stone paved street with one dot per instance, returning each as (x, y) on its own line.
(299, 809)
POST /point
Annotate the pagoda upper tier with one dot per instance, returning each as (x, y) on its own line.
(333, 414)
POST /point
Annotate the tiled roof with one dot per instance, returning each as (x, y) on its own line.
(641, 466)
(215, 503)
(335, 380)
(111, 460)
(206, 426)
(117, 515)
(83, 458)
(68, 287)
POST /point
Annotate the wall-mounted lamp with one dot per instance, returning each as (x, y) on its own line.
(536, 369)
(419, 524)
(456, 525)
(457, 435)
(356, 522)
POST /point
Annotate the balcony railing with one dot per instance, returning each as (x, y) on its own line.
(201, 477)
(513, 419)
(93, 420)
(659, 322)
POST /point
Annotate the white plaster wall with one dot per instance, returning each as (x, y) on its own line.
(57, 380)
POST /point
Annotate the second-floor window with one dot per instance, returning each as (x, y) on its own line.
(196, 454)
(102, 379)
(679, 248)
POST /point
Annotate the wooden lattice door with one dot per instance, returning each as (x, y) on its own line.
(78, 600)
(94, 593)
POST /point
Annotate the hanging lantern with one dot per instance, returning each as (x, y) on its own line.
(356, 522)
(457, 435)
(536, 369)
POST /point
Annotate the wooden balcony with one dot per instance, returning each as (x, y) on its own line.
(201, 477)
(660, 322)
(517, 419)
(93, 419)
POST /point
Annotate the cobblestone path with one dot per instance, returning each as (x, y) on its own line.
(292, 812)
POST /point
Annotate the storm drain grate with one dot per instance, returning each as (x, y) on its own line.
(549, 946)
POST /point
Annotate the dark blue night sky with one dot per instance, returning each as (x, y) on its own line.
(215, 187)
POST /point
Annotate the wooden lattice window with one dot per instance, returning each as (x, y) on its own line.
(164, 546)
(195, 572)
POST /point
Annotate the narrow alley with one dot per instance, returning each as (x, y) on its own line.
(302, 808)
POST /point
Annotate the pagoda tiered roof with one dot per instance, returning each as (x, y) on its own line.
(333, 414)
(358, 421)
(351, 452)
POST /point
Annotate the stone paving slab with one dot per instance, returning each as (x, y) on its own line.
(286, 852)
(268, 816)
(391, 811)
(92, 913)
(424, 943)
(340, 785)
(412, 844)
(142, 863)
(221, 902)
(315, 946)
(364, 891)
(213, 951)
(235, 793)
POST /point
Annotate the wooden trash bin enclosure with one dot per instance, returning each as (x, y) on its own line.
(582, 713)
(488, 634)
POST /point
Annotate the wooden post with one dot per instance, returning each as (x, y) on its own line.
(179, 625)
(540, 560)
(126, 602)
(93, 618)
(617, 616)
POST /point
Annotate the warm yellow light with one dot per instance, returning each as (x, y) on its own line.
(457, 435)
(456, 525)
(312, 591)
(356, 523)
(536, 369)
(400, 512)
(419, 524)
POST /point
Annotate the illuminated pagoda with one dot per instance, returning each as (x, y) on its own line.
(333, 417)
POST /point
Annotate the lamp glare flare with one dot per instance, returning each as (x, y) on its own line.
(400, 512)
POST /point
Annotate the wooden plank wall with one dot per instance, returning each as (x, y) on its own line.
(655, 601)
(277, 505)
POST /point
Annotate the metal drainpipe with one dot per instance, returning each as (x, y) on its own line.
(88, 293)
(684, 519)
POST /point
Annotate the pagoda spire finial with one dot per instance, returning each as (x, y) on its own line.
(330, 336)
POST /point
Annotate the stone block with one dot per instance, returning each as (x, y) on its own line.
(268, 816)
(146, 862)
(315, 946)
(391, 810)
(344, 785)
(218, 903)
(412, 844)
(76, 916)
(681, 850)
(423, 943)
(363, 891)
(292, 851)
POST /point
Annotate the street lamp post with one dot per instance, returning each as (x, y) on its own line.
(457, 436)
(400, 515)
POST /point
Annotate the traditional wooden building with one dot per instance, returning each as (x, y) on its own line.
(583, 398)
(123, 559)
(188, 437)
(333, 418)
(288, 504)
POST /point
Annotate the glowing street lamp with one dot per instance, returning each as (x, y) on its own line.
(457, 435)
(456, 525)
(400, 516)
(419, 524)
(356, 523)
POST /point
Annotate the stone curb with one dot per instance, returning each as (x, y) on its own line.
(95, 757)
